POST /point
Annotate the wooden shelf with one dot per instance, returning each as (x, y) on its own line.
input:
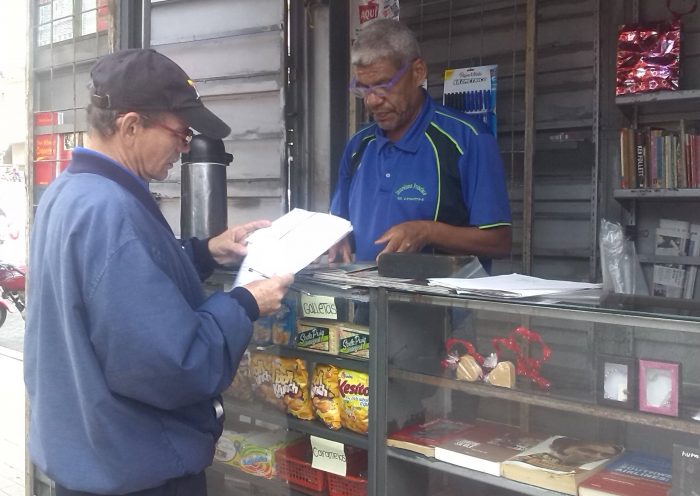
(314, 427)
(657, 194)
(491, 480)
(549, 401)
(658, 96)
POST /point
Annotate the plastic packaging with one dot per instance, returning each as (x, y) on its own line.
(622, 272)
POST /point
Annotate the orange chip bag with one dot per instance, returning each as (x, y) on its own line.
(290, 383)
(354, 391)
(326, 395)
(261, 374)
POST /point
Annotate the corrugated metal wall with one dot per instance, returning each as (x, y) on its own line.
(235, 53)
(466, 33)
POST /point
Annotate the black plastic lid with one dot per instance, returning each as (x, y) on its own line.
(206, 149)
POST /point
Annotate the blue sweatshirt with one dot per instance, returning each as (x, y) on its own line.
(124, 353)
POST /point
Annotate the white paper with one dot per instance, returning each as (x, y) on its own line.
(328, 456)
(511, 286)
(292, 242)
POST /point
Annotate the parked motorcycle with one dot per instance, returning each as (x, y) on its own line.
(12, 283)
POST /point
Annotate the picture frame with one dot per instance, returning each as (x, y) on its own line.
(659, 384)
(617, 381)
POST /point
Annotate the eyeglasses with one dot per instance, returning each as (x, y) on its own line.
(380, 90)
(185, 136)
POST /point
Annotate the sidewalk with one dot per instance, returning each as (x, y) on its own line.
(11, 424)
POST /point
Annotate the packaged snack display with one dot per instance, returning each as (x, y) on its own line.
(284, 323)
(317, 336)
(325, 395)
(291, 385)
(228, 447)
(354, 391)
(258, 451)
(262, 331)
(353, 340)
(241, 388)
(261, 372)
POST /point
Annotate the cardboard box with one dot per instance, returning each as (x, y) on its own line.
(353, 340)
(320, 336)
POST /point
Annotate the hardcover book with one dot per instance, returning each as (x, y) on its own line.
(485, 447)
(559, 463)
(686, 471)
(631, 474)
(422, 438)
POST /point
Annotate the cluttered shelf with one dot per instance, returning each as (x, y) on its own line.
(535, 398)
(314, 427)
(491, 480)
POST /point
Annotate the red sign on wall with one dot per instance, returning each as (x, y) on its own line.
(45, 147)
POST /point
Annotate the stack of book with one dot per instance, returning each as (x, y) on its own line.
(559, 463)
(658, 158)
(631, 474)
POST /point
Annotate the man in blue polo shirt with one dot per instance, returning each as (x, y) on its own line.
(421, 177)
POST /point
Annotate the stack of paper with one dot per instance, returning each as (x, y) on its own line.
(291, 243)
(510, 286)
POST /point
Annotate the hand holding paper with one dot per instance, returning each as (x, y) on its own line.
(291, 243)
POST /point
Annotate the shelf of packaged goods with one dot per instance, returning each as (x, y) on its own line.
(657, 194)
(546, 400)
(236, 481)
(311, 356)
(317, 428)
(491, 480)
(659, 96)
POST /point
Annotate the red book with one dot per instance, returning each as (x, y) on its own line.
(422, 438)
(632, 474)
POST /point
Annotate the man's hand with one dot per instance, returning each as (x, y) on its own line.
(409, 236)
(340, 252)
(229, 247)
(268, 293)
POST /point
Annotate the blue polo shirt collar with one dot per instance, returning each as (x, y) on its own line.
(411, 139)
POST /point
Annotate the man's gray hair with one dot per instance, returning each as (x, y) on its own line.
(104, 121)
(384, 39)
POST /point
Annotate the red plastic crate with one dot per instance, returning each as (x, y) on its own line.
(293, 464)
(346, 486)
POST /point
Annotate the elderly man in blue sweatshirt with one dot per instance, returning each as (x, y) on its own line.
(125, 356)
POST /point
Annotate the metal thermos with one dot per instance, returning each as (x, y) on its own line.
(203, 205)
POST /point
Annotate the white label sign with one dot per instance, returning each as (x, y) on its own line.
(328, 456)
(318, 307)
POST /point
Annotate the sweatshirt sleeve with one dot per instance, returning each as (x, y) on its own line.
(152, 345)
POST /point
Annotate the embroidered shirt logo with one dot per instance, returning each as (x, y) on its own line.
(411, 192)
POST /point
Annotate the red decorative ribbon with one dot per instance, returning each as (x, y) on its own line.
(452, 346)
(524, 365)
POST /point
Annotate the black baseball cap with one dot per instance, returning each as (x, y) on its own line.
(143, 79)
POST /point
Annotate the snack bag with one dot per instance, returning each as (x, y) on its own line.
(262, 331)
(291, 385)
(261, 379)
(284, 323)
(325, 395)
(241, 388)
(354, 391)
